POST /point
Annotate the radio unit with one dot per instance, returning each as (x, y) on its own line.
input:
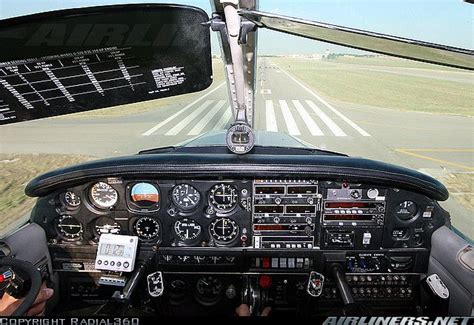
(284, 213)
(352, 213)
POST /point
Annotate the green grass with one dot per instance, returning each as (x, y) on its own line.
(384, 61)
(17, 171)
(379, 89)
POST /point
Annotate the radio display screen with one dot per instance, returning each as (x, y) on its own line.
(302, 189)
(347, 217)
(269, 190)
(300, 209)
(349, 205)
(268, 209)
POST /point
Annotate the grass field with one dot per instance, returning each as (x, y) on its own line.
(17, 171)
(386, 61)
(353, 80)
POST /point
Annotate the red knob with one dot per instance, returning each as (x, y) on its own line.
(265, 282)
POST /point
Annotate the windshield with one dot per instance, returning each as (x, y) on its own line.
(334, 98)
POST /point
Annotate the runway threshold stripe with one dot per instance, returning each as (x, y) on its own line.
(335, 111)
(172, 117)
(270, 116)
(188, 119)
(288, 117)
(197, 129)
(223, 120)
(310, 123)
(326, 119)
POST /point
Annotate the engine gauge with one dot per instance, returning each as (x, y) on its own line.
(177, 291)
(223, 197)
(187, 230)
(70, 199)
(406, 210)
(106, 225)
(224, 230)
(103, 196)
(147, 228)
(209, 290)
(185, 197)
(69, 228)
(240, 138)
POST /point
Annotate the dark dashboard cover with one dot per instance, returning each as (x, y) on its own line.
(77, 60)
(252, 166)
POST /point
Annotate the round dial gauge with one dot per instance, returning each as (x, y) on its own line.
(186, 197)
(372, 193)
(208, 290)
(105, 225)
(71, 199)
(223, 197)
(406, 210)
(224, 230)
(178, 290)
(187, 229)
(147, 228)
(240, 138)
(70, 228)
(145, 195)
(103, 195)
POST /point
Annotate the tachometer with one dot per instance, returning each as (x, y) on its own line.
(223, 197)
(224, 230)
(147, 228)
(103, 196)
(187, 230)
(185, 196)
(70, 228)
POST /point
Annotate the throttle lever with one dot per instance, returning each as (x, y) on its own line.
(344, 290)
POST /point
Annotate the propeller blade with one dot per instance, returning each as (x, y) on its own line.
(365, 40)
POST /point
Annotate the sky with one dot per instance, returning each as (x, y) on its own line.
(449, 22)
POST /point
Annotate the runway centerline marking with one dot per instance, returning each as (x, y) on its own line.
(188, 119)
(326, 119)
(172, 117)
(310, 123)
(335, 111)
(289, 119)
(197, 129)
(271, 123)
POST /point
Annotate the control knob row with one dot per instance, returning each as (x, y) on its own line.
(278, 200)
